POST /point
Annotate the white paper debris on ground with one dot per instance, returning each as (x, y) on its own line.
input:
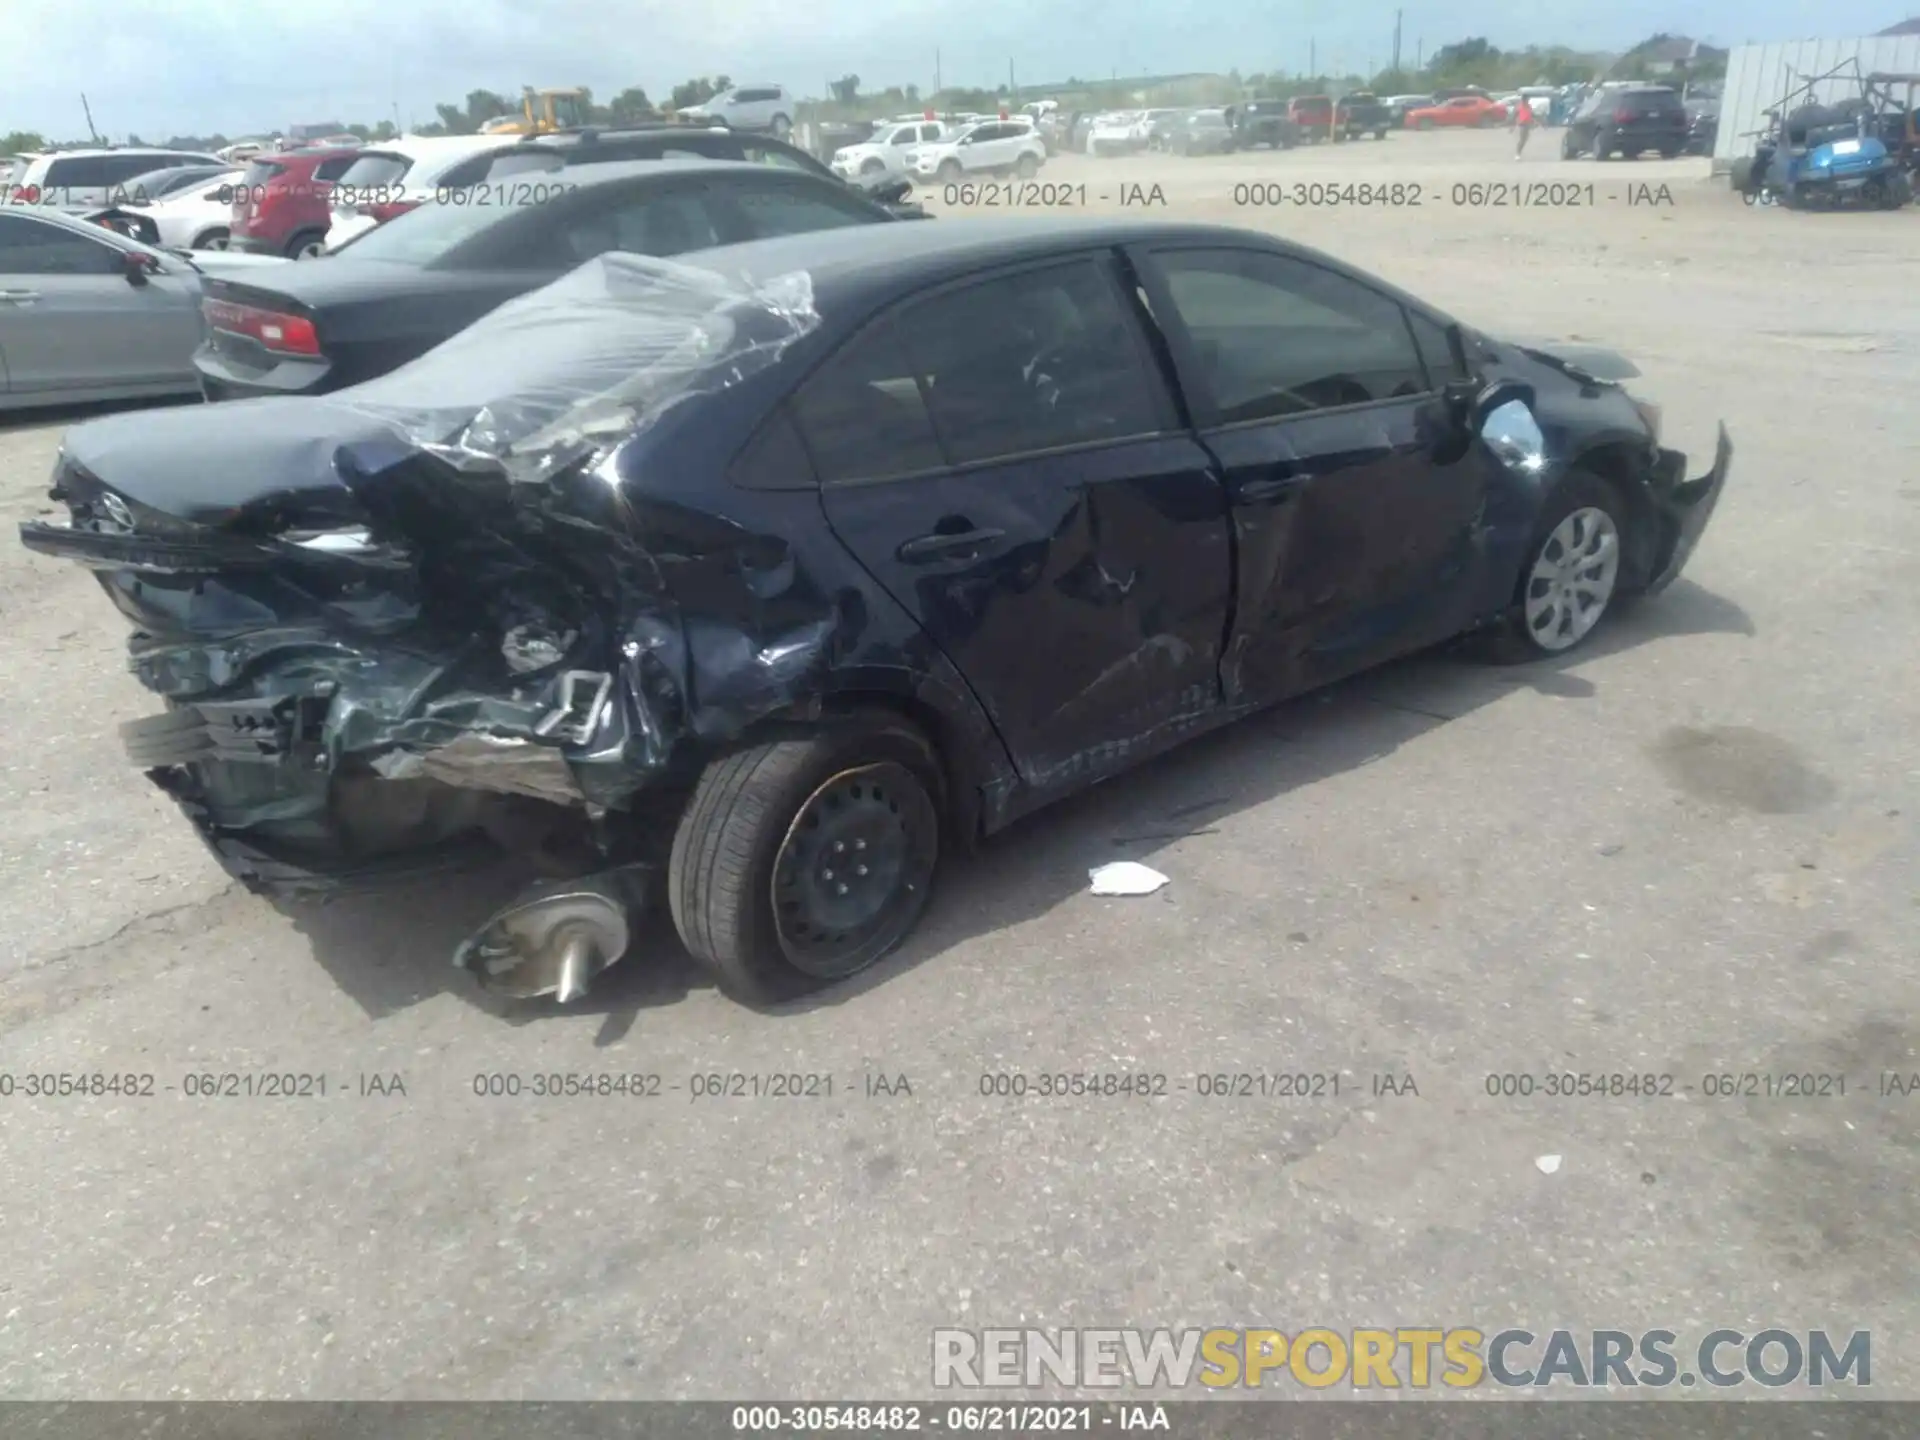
(1548, 1164)
(1125, 877)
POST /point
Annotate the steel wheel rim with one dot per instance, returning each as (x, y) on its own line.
(1572, 579)
(852, 874)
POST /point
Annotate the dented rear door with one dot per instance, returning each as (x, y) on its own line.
(1004, 461)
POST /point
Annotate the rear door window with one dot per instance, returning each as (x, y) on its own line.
(328, 171)
(779, 157)
(1033, 361)
(764, 210)
(462, 173)
(863, 416)
(655, 222)
(375, 169)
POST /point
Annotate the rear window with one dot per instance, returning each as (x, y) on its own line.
(523, 162)
(376, 169)
(259, 172)
(462, 173)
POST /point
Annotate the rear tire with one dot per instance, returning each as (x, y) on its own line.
(218, 238)
(767, 822)
(1027, 168)
(781, 127)
(307, 245)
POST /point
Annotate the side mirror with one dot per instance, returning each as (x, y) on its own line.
(138, 267)
(1496, 397)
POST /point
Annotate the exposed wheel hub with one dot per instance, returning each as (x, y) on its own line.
(859, 855)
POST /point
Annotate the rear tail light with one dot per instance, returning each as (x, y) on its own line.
(282, 334)
(1623, 116)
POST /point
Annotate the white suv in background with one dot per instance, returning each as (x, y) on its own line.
(993, 147)
(886, 153)
(396, 176)
(748, 107)
(85, 179)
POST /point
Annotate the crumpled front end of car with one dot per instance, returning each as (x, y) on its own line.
(415, 622)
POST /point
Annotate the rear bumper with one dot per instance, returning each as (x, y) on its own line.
(225, 379)
(1690, 505)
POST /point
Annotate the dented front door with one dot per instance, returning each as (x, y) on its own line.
(1003, 461)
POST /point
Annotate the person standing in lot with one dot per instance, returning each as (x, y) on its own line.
(1522, 125)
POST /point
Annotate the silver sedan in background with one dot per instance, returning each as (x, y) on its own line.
(87, 313)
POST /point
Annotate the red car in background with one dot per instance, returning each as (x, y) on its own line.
(1313, 114)
(1461, 112)
(281, 206)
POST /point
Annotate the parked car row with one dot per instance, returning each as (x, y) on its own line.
(737, 550)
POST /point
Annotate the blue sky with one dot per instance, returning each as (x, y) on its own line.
(241, 66)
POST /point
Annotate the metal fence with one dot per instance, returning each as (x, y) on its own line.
(1759, 75)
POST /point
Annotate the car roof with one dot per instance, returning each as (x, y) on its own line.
(89, 151)
(611, 172)
(861, 267)
(419, 147)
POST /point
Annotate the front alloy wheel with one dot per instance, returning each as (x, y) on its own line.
(1572, 580)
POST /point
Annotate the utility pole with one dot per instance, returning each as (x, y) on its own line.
(1013, 90)
(937, 86)
(1313, 60)
(92, 134)
(1419, 53)
(1396, 44)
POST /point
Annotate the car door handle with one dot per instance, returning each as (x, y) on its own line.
(930, 547)
(1254, 491)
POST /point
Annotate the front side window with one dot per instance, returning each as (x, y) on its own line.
(30, 246)
(1275, 336)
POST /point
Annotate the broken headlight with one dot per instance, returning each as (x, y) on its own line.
(534, 647)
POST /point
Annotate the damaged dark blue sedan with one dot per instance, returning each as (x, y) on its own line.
(755, 578)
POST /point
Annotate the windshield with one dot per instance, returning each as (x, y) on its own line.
(425, 234)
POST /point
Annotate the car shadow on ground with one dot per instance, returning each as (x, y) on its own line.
(391, 950)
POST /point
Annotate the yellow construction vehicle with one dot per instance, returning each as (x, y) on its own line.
(541, 113)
